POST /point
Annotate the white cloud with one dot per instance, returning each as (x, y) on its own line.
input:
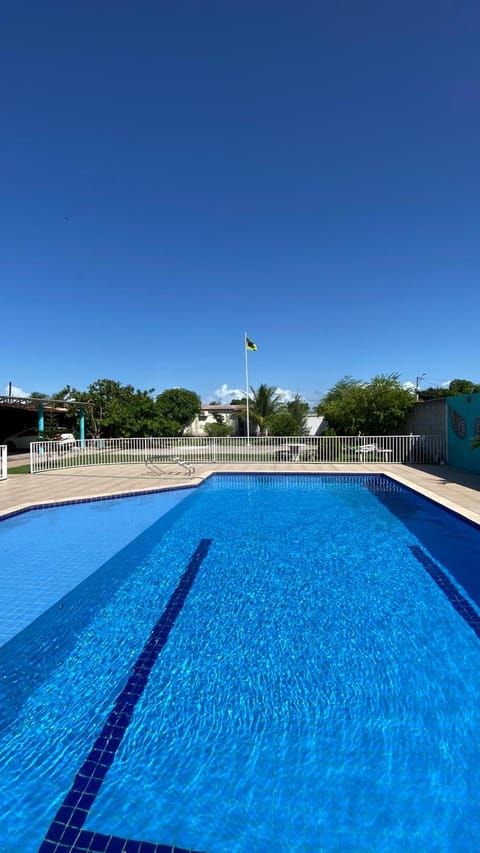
(284, 395)
(15, 391)
(410, 386)
(224, 394)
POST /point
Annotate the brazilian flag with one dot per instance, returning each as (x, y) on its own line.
(250, 345)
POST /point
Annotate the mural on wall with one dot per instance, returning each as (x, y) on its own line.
(464, 432)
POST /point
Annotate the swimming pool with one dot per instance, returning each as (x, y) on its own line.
(277, 663)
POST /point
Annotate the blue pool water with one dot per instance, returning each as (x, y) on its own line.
(82, 536)
(277, 663)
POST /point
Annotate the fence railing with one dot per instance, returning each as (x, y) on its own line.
(416, 449)
(3, 461)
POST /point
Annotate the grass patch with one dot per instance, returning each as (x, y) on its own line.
(20, 469)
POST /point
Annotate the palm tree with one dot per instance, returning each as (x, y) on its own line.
(263, 402)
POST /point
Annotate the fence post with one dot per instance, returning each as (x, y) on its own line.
(3, 462)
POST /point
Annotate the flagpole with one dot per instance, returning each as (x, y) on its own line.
(246, 385)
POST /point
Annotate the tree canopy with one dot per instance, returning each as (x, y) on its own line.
(177, 407)
(121, 411)
(263, 403)
(289, 418)
(377, 407)
(455, 387)
(218, 429)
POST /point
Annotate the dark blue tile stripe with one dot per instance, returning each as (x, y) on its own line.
(459, 602)
(95, 842)
(72, 814)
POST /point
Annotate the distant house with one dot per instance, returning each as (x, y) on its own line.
(210, 414)
(315, 424)
(230, 415)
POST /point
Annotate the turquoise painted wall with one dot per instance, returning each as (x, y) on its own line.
(463, 424)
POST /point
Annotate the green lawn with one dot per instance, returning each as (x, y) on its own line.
(20, 469)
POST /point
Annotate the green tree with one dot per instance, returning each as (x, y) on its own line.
(283, 423)
(263, 403)
(462, 386)
(50, 428)
(218, 429)
(288, 419)
(121, 411)
(342, 406)
(176, 408)
(456, 386)
(118, 410)
(377, 407)
(113, 410)
(432, 393)
(299, 409)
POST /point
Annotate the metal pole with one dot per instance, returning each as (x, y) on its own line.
(246, 384)
(417, 386)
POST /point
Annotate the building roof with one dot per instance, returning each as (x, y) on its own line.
(221, 407)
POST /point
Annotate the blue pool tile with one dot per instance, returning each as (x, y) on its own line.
(38, 593)
(63, 815)
(91, 770)
(97, 757)
(83, 842)
(78, 817)
(115, 845)
(98, 843)
(70, 835)
(56, 831)
(461, 605)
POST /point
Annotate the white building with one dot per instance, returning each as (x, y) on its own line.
(230, 415)
(210, 413)
(315, 424)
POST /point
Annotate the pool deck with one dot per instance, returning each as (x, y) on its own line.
(457, 490)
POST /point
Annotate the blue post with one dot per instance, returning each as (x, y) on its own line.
(41, 423)
(41, 418)
(82, 427)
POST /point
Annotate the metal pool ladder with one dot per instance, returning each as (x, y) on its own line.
(156, 463)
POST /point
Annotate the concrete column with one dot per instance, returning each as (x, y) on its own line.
(41, 418)
(82, 427)
(41, 425)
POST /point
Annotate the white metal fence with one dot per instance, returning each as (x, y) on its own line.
(416, 449)
(3, 462)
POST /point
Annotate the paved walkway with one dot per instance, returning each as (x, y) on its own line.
(457, 490)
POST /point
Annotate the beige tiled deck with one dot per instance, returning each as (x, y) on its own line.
(457, 490)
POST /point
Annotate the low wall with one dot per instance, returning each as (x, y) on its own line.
(427, 418)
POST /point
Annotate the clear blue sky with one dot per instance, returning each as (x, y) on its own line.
(174, 174)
